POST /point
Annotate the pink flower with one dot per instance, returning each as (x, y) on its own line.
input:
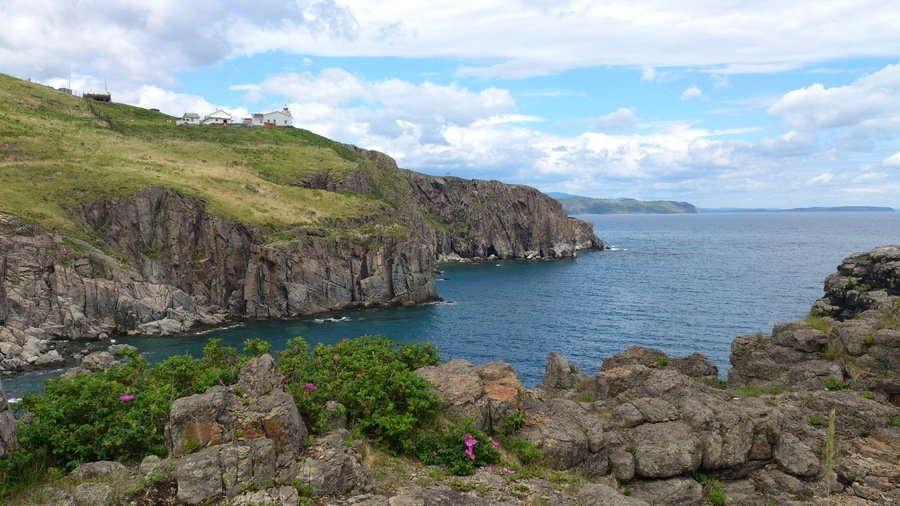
(126, 398)
(309, 386)
(495, 443)
(470, 443)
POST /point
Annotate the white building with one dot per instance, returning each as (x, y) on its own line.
(189, 119)
(219, 117)
(280, 118)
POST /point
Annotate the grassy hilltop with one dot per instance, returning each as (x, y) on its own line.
(59, 151)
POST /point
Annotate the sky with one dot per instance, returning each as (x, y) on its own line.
(721, 103)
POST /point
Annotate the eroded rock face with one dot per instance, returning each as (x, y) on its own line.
(486, 393)
(489, 219)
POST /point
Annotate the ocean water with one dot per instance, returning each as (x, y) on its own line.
(681, 283)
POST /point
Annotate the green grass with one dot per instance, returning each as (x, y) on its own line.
(58, 152)
(821, 323)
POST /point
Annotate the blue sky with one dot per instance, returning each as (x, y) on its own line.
(722, 104)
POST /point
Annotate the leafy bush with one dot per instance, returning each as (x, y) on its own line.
(663, 360)
(372, 377)
(814, 420)
(461, 448)
(116, 414)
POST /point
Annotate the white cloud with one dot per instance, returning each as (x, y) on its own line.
(893, 160)
(871, 97)
(145, 42)
(620, 120)
(693, 92)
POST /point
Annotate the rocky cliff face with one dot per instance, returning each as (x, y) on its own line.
(488, 219)
(159, 263)
(165, 265)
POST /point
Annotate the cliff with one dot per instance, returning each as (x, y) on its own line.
(114, 221)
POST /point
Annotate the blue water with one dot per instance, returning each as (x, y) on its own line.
(681, 283)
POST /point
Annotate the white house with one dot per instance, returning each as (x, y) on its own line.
(280, 118)
(189, 119)
(219, 117)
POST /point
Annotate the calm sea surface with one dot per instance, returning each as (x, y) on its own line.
(681, 283)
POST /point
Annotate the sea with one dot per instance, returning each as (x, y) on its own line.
(679, 283)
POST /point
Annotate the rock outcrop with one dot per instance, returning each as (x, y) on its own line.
(852, 337)
(489, 219)
(8, 440)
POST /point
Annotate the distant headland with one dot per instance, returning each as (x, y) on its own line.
(574, 204)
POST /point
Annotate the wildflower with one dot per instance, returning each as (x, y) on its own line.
(495, 443)
(470, 443)
(126, 398)
(309, 386)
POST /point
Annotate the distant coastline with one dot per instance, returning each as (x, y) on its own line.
(575, 204)
(835, 209)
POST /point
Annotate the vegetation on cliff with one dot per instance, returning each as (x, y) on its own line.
(59, 151)
(574, 204)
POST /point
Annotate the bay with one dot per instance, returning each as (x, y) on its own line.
(681, 283)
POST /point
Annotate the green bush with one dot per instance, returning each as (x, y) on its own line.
(832, 383)
(512, 423)
(117, 414)
(372, 377)
(448, 448)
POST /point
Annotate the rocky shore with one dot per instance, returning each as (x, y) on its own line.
(160, 263)
(809, 414)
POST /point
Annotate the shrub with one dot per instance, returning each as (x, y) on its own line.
(867, 395)
(116, 414)
(814, 420)
(869, 340)
(663, 360)
(372, 377)
(461, 449)
(832, 383)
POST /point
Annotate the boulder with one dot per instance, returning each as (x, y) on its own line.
(673, 492)
(665, 449)
(696, 366)
(559, 374)
(796, 457)
(282, 496)
(599, 493)
(635, 355)
(331, 467)
(569, 436)
(486, 394)
(257, 407)
(225, 470)
(94, 494)
(97, 470)
(97, 361)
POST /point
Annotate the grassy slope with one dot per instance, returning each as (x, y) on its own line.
(57, 151)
